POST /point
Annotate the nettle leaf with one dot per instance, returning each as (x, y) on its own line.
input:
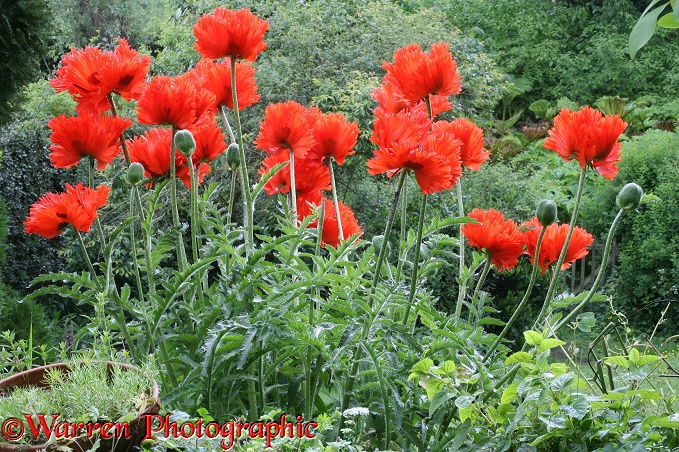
(448, 367)
(439, 399)
(578, 409)
(421, 369)
(550, 343)
(618, 361)
(519, 357)
(634, 356)
(463, 402)
(466, 413)
(433, 386)
(647, 359)
(562, 382)
(532, 337)
(510, 394)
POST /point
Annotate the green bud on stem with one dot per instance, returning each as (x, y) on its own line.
(546, 212)
(185, 142)
(233, 156)
(135, 173)
(629, 197)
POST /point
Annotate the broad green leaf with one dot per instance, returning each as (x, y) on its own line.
(519, 357)
(439, 399)
(464, 401)
(668, 21)
(510, 393)
(465, 413)
(661, 421)
(634, 356)
(644, 30)
(647, 394)
(421, 369)
(562, 381)
(491, 321)
(433, 386)
(578, 408)
(550, 343)
(646, 359)
(532, 337)
(618, 361)
(586, 321)
(448, 367)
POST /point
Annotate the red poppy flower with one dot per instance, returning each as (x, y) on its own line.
(391, 101)
(334, 137)
(90, 75)
(216, 77)
(80, 75)
(417, 74)
(330, 234)
(126, 73)
(553, 241)
(78, 136)
(210, 142)
(588, 137)
(472, 152)
(53, 212)
(226, 33)
(405, 143)
(499, 237)
(310, 177)
(174, 101)
(285, 126)
(404, 127)
(152, 150)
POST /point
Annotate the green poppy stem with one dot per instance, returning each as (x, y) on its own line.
(404, 231)
(564, 250)
(335, 201)
(293, 189)
(123, 144)
(599, 277)
(416, 261)
(181, 252)
(462, 290)
(533, 277)
(248, 212)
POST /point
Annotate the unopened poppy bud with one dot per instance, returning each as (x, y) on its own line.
(233, 156)
(378, 240)
(546, 212)
(185, 142)
(135, 173)
(629, 196)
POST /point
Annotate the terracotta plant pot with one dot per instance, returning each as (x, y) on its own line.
(84, 442)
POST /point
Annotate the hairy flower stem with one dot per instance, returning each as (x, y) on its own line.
(335, 201)
(462, 290)
(484, 275)
(232, 191)
(387, 229)
(226, 124)
(403, 249)
(97, 221)
(416, 261)
(248, 211)
(181, 253)
(123, 144)
(195, 226)
(599, 277)
(533, 276)
(133, 243)
(564, 250)
(293, 189)
(147, 245)
(87, 260)
(319, 239)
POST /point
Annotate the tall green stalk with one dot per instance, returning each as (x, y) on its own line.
(416, 260)
(181, 252)
(564, 250)
(403, 245)
(462, 290)
(599, 277)
(293, 189)
(533, 277)
(248, 211)
(133, 242)
(123, 144)
(335, 201)
(195, 226)
(147, 243)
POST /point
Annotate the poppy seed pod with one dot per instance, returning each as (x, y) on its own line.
(135, 173)
(378, 240)
(185, 142)
(546, 212)
(629, 196)
(233, 156)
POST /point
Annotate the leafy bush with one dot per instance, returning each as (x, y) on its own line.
(24, 318)
(648, 267)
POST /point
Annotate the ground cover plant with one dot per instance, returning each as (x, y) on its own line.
(295, 312)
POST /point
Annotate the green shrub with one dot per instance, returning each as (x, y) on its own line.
(648, 266)
(21, 316)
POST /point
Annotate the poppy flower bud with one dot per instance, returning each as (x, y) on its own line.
(629, 196)
(185, 142)
(135, 173)
(546, 212)
(233, 156)
(378, 240)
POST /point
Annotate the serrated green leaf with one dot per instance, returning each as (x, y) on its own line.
(519, 357)
(618, 361)
(549, 343)
(562, 382)
(463, 402)
(421, 369)
(491, 321)
(433, 386)
(647, 359)
(532, 337)
(439, 399)
(466, 413)
(448, 367)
